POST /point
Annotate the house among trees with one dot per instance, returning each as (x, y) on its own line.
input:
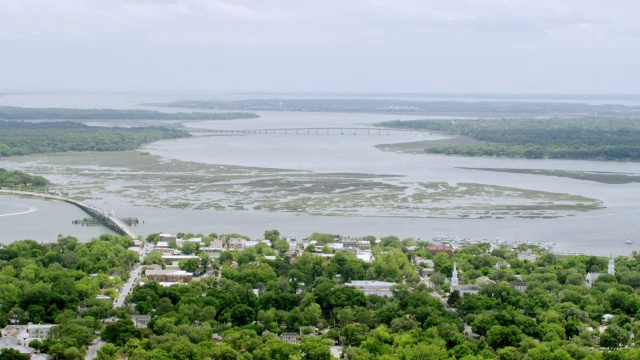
(591, 278)
(462, 289)
(289, 337)
(140, 321)
(527, 255)
(434, 249)
(519, 285)
(168, 275)
(237, 244)
(167, 238)
(380, 288)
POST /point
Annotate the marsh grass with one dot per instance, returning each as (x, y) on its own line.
(148, 180)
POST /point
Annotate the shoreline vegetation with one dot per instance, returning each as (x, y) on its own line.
(589, 138)
(23, 138)
(18, 180)
(399, 106)
(20, 113)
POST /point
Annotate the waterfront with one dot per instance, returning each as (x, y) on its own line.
(597, 231)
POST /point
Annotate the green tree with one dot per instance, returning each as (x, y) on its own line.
(11, 354)
(614, 337)
(73, 353)
(189, 265)
(272, 235)
(108, 352)
(503, 336)
(120, 332)
(314, 349)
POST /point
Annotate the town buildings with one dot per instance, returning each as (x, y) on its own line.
(372, 287)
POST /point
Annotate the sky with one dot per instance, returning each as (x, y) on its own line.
(450, 46)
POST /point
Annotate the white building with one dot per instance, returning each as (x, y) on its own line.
(611, 268)
(197, 241)
(462, 289)
(372, 287)
(140, 321)
(420, 261)
(591, 278)
(289, 337)
(527, 255)
(365, 256)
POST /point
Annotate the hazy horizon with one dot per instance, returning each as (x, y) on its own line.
(285, 46)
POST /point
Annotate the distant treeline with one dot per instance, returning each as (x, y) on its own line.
(585, 138)
(508, 108)
(19, 113)
(15, 178)
(23, 138)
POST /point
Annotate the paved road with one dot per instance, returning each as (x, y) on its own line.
(133, 278)
(92, 352)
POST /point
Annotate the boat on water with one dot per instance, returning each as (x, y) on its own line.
(628, 242)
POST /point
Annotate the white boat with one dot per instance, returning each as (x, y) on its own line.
(628, 242)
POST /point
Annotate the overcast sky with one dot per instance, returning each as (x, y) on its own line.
(460, 46)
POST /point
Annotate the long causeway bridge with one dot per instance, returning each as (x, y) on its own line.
(311, 131)
(108, 220)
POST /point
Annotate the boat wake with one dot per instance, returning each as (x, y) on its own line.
(30, 209)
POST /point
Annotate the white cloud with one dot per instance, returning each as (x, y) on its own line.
(410, 43)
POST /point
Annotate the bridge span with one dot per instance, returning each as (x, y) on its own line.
(311, 131)
(108, 220)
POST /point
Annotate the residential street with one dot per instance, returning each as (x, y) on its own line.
(92, 352)
(135, 275)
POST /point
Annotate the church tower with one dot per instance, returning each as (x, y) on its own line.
(454, 277)
(611, 268)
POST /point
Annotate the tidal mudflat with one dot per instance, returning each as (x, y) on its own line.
(142, 179)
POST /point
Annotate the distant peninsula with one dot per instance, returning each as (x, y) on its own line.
(23, 138)
(20, 113)
(410, 107)
(589, 138)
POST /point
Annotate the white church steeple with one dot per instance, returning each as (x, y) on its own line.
(611, 270)
(454, 276)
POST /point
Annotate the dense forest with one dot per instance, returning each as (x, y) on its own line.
(503, 108)
(584, 138)
(19, 179)
(23, 138)
(555, 317)
(52, 283)
(19, 113)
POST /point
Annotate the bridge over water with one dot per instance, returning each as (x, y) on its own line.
(312, 131)
(104, 217)
(107, 219)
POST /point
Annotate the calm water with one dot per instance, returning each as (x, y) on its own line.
(598, 232)
(41, 220)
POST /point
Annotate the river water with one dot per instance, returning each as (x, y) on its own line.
(599, 232)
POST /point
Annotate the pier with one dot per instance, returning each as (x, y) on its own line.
(314, 131)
